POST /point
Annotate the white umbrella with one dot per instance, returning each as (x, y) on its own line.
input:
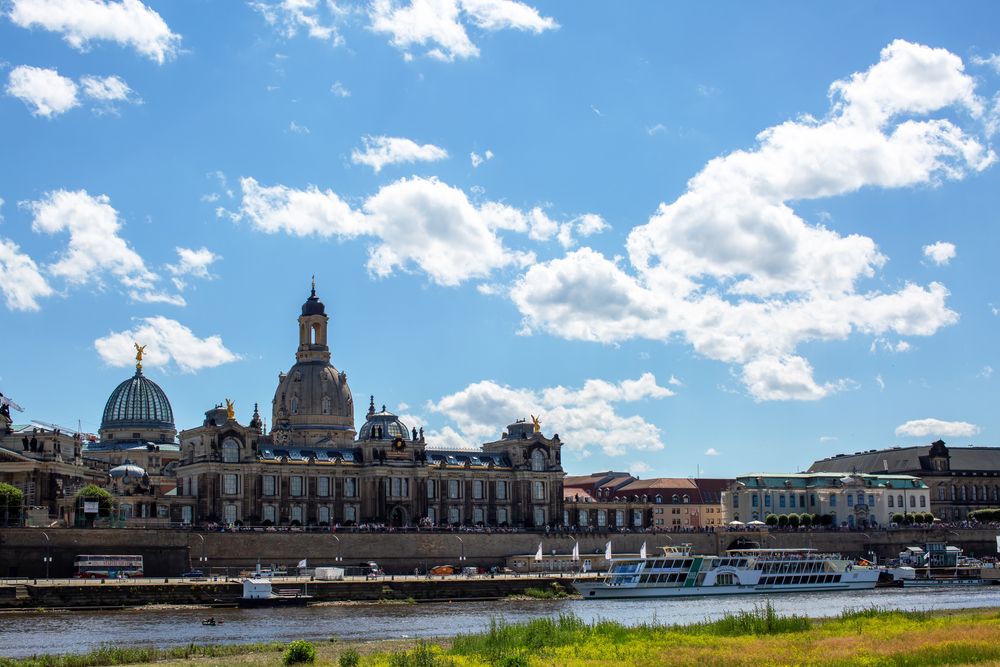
(756, 523)
(736, 523)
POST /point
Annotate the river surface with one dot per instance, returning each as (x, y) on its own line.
(25, 634)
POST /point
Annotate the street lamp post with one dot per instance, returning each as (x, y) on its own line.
(338, 558)
(203, 559)
(461, 542)
(47, 558)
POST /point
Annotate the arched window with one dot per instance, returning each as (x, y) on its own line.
(685, 498)
(324, 514)
(899, 500)
(326, 405)
(861, 498)
(538, 460)
(315, 334)
(962, 493)
(295, 405)
(953, 492)
(975, 493)
(230, 451)
(350, 513)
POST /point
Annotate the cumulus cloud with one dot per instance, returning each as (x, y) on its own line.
(940, 253)
(382, 151)
(478, 159)
(192, 263)
(711, 451)
(584, 418)
(297, 129)
(936, 428)
(128, 23)
(440, 26)
(46, 92)
(732, 269)
(316, 19)
(20, 279)
(636, 468)
(95, 247)
(166, 341)
(418, 222)
(339, 89)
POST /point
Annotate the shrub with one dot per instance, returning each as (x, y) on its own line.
(806, 519)
(782, 520)
(299, 651)
(349, 658)
(11, 498)
(897, 518)
(794, 520)
(771, 519)
(825, 520)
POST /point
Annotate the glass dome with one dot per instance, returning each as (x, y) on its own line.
(138, 403)
(383, 425)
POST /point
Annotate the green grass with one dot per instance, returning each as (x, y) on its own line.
(131, 655)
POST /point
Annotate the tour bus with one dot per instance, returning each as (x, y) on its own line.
(107, 567)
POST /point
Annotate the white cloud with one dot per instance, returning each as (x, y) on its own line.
(20, 280)
(828, 438)
(382, 151)
(986, 372)
(416, 221)
(339, 89)
(166, 341)
(94, 246)
(940, 253)
(478, 159)
(880, 382)
(194, 263)
(990, 61)
(886, 345)
(297, 129)
(45, 91)
(711, 451)
(675, 382)
(636, 468)
(922, 428)
(128, 23)
(107, 89)
(584, 418)
(732, 269)
(317, 19)
(656, 129)
(440, 25)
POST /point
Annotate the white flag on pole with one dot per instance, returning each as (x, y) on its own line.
(642, 551)
(302, 563)
(538, 554)
(607, 551)
(576, 551)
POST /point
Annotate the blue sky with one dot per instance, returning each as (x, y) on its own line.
(724, 237)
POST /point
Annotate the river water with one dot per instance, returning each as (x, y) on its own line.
(24, 634)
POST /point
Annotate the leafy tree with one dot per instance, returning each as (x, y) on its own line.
(105, 501)
(11, 499)
(299, 651)
(794, 520)
(897, 518)
(771, 519)
(783, 521)
(806, 519)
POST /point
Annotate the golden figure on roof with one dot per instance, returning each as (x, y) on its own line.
(536, 423)
(230, 409)
(139, 350)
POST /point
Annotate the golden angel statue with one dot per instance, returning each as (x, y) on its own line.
(536, 423)
(230, 409)
(139, 350)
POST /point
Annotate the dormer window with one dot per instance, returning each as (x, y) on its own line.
(538, 461)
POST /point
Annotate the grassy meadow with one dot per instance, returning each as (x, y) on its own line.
(758, 637)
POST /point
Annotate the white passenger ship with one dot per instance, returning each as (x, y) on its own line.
(678, 572)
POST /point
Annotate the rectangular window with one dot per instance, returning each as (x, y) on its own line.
(501, 516)
(432, 515)
(270, 514)
(229, 485)
(267, 485)
(432, 489)
(791, 501)
(539, 490)
(812, 500)
(229, 513)
(539, 516)
(871, 500)
(501, 490)
(602, 518)
(296, 514)
(890, 500)
(324, 515)
(781, 501)
(295, 485)
(637, 518)
(923, 501)
(833, 500)
(454, 516)
(767, 501)
(736, 501)
(323, 486)
(477, 489)
(350, 491)
(620, 518)
(350, 511)
(913, 501)
(582, 518)
(755, 501)
(477, 515)
(453, 490)
(850, 500)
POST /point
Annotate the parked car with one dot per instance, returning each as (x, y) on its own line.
(193, 574)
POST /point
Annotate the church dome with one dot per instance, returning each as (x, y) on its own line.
(138, 403)
(313, 306)
(382, 425)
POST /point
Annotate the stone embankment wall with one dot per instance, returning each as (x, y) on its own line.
(168, 553)
(226, 593)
